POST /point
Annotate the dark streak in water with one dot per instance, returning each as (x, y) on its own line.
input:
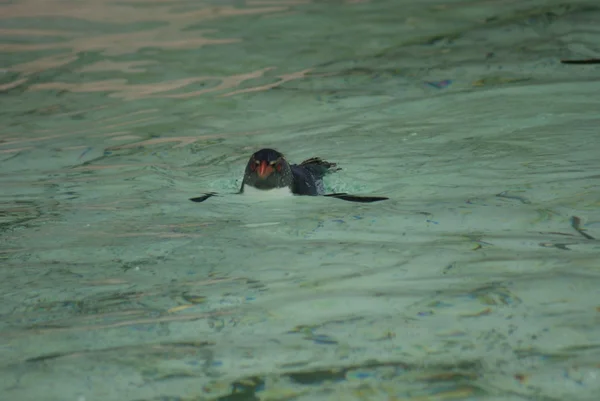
(564, 247)
(42, 358)
(158, 347)
(506, 195)
(556, 233)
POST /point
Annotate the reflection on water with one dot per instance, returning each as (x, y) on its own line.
(477, 280)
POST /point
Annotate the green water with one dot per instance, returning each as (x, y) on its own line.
(478, 280)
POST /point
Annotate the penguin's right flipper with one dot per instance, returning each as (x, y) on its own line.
(357, 198)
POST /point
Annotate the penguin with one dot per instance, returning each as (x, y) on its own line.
(268, 170)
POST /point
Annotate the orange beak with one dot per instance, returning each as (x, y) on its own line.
(264, 170)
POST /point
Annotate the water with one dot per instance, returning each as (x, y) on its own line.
(478, 280)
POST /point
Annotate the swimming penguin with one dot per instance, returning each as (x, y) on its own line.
(268, 170)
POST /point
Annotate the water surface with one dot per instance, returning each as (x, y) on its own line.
(478, 280)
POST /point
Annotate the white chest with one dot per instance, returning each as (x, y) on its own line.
(269, 194)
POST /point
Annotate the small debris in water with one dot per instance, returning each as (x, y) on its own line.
(439, 84)
(576, 224)
(323, 339)
(86, 151)
(506, 195)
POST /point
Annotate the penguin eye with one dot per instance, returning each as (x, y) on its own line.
(277, 164)
(254, 165)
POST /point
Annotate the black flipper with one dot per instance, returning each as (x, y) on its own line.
(357, 198)
(203, 197)
(582, 61)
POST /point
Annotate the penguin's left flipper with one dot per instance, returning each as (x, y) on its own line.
(203, 197)
(357, 198)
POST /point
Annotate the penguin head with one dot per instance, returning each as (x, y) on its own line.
(268, 169)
